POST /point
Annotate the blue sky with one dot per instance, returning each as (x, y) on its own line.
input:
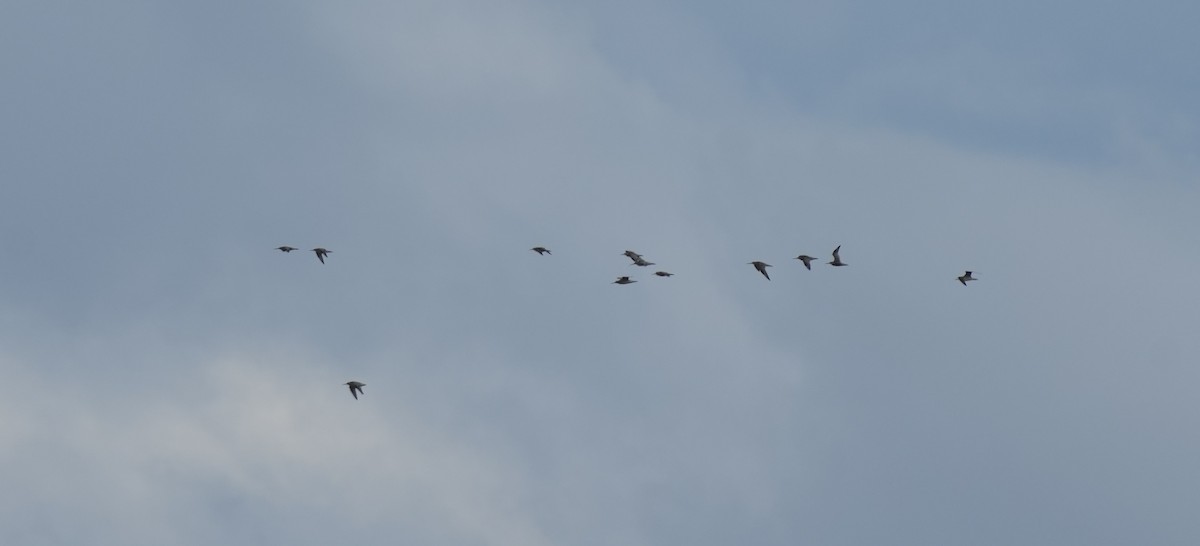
(172, 379)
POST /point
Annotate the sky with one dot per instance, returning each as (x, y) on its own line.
(170, 378)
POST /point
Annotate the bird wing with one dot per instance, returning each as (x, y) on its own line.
(835, 252)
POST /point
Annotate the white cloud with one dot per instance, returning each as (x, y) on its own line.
(191, 392)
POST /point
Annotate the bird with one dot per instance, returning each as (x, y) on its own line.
(623, 280)
(663, 273)
(807, 261)
(632, 255)
(286, 249)
(837, 259)
(762, 268)
(540, 250)
(355, 386)
(321, 253)
(639, 261)
(966, 277)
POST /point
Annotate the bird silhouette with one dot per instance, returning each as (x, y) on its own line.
(663, 273)
(623, 280)
(762, 268)
(321, 253)
(837, 259)
(285, 249)
(540, 250)
(355, 386)
(807, 261)
(966, 277)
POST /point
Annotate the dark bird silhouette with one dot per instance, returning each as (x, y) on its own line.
(623, 280)
(966, 277)
(286, 248)
(807, 261)
(837, 259)
(541, 250)
(322, 253)
(663, 273)
(355, 386)
(762, 268)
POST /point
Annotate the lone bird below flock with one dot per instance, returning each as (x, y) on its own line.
(966, 277)
(355, 386)
(321, 253)
(807, 261)
(762, 268)
(540, 250)
(623, 280)
(663, 273)
(285, 249)
(837, 259)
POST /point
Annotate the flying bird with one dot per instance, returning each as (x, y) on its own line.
(623, 280)
(966, 277)
(540, 250)
(321, 253)
(807, 261)
(663, 273)
(637, 258)
(286, 249)
(837, 259)
(762, 268)
(355, 386)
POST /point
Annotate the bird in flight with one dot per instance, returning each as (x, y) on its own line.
(623, 280)
(286, 249)
(762, 268)
(540, 250)
(637, 258)
(321, 253)
(807, 261)
(355, 386)
(966, 277)
(663, 273)
(837, 259)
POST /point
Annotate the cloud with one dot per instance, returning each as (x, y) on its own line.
(172, 379)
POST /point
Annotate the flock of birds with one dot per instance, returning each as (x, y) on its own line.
(760, 266)
(322, 253)
(356, 387)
